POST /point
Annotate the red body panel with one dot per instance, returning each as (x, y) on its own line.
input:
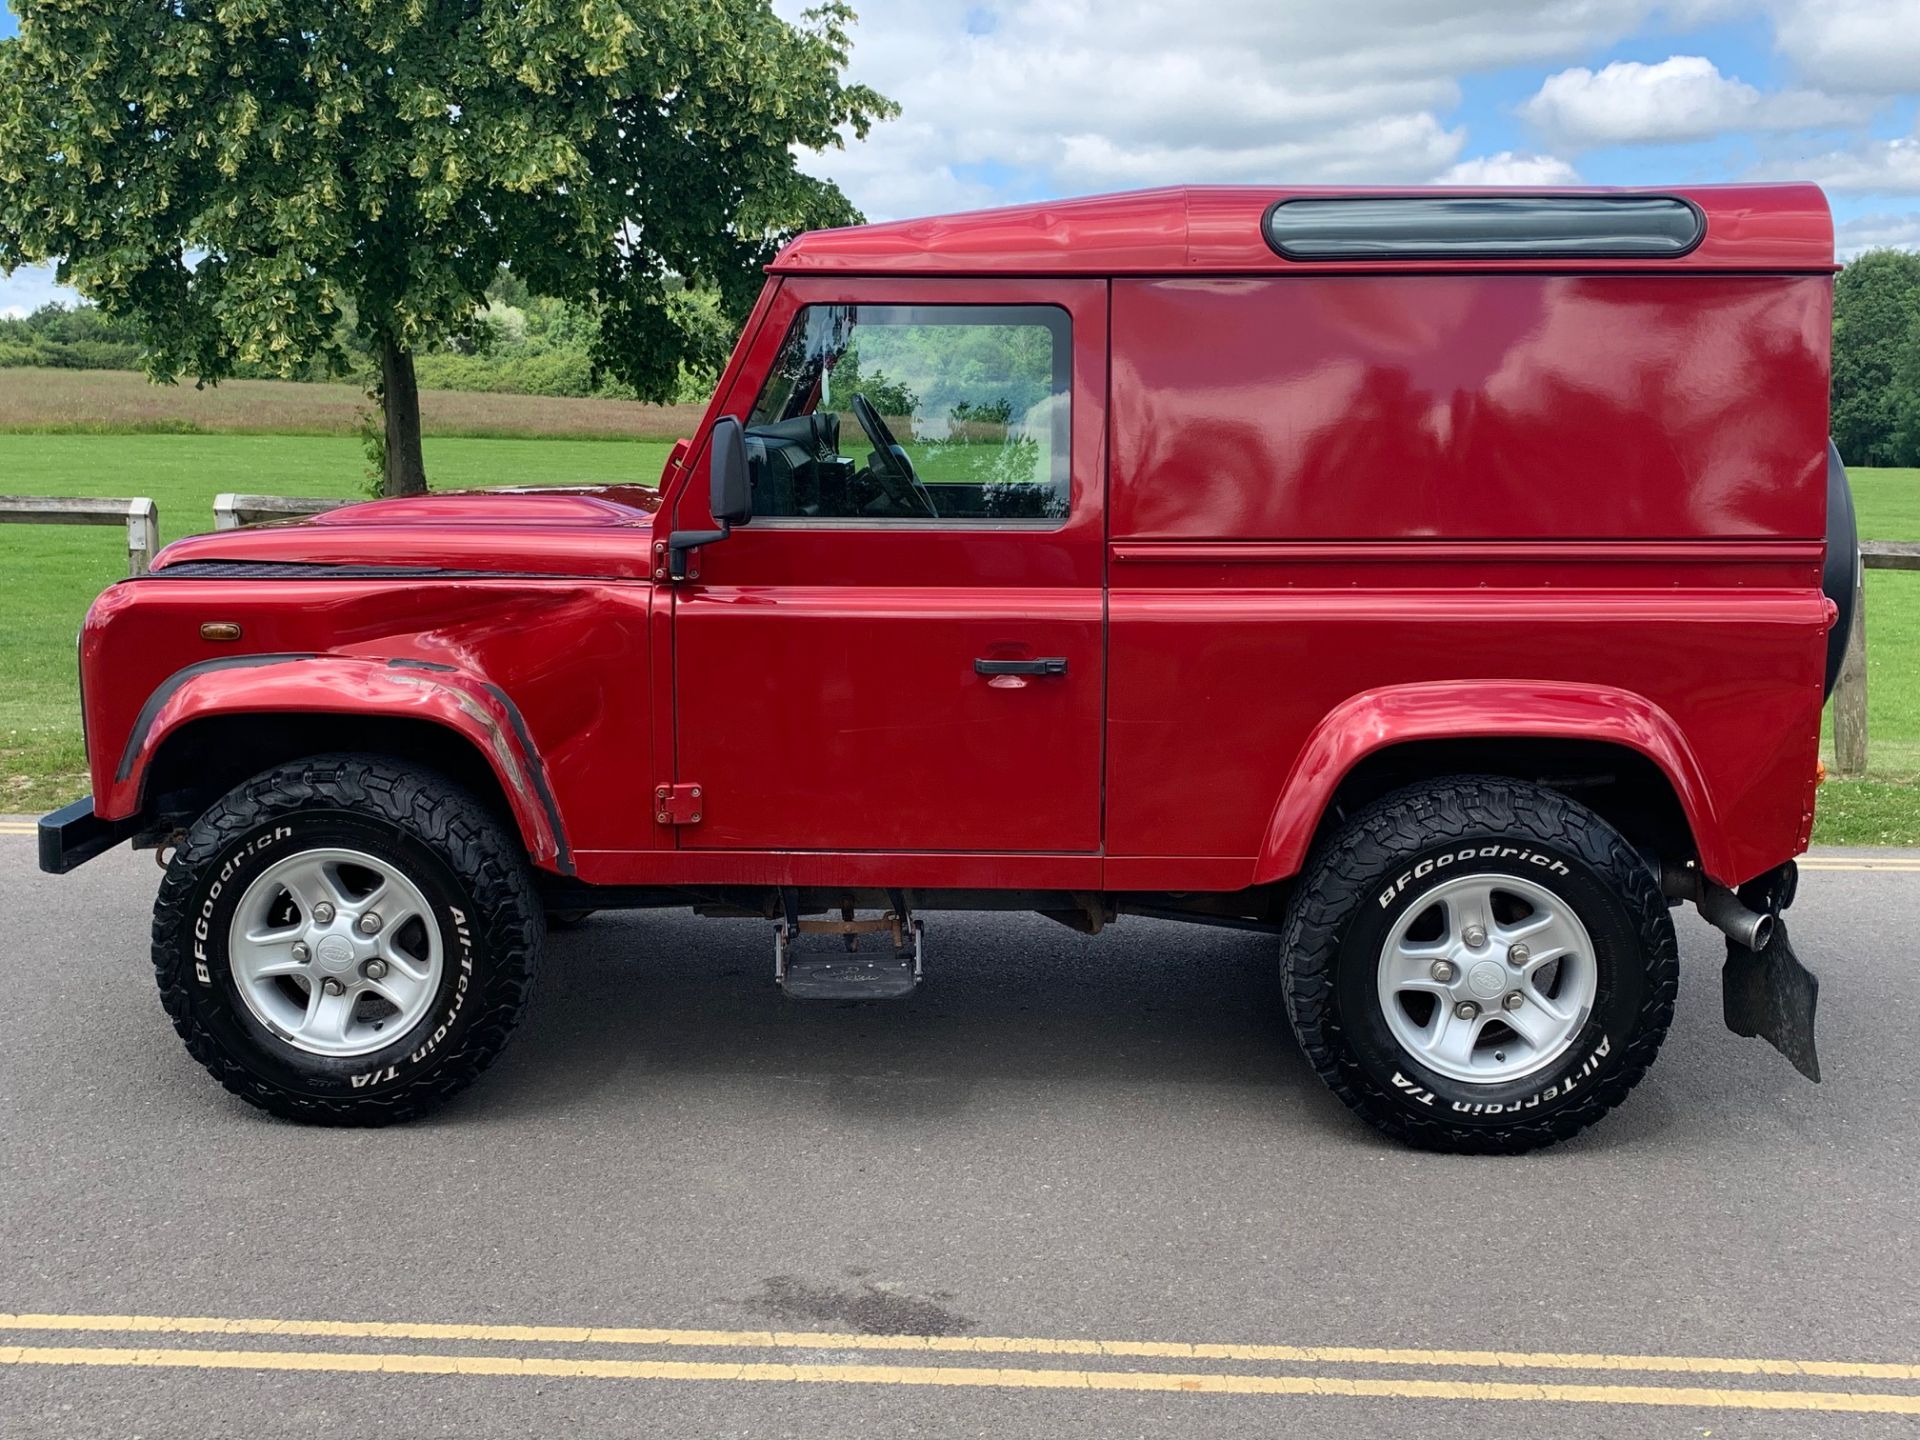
(597, 532)
(824, 674)
(1316, 510)
(1772, 228)
(1470, 407)
(583, 704)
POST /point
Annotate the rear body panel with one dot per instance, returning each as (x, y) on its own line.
(1322, 487)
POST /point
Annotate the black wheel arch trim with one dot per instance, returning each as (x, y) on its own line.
(536, 766)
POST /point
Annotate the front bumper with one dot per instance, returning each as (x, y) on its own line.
(73, 835)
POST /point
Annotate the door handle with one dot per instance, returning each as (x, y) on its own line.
(1051, 665)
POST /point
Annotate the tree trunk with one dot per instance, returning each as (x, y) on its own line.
(406, 471)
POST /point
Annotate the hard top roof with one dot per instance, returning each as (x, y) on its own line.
(1218, 230)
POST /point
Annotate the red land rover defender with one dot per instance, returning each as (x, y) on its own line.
(1446, 582)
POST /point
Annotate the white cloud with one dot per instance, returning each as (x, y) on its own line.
(1875, 167)
(1877, 232)
(1869, 46)
(1070, 96)
(30, 287)
(1684, 97)
(1509, 168)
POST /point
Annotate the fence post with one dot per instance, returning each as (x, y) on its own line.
(1850, 691)
(143, 534)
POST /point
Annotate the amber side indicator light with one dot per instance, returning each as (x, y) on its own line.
(220, 630)
(1819, 772)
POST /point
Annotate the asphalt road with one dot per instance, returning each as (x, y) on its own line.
(1059, 1139)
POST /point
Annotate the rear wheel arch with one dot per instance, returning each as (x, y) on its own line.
(1623, 786)
(1621, 757)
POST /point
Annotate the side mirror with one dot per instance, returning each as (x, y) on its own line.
(731, 492)
(732, 478)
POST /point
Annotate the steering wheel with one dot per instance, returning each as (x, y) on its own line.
(891, 468)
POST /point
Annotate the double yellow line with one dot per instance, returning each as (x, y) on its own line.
(819, 1358)
(1892, 864)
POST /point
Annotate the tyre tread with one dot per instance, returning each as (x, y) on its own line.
(1347, 867)
(507, 915)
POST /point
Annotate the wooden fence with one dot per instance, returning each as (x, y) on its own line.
(1850, 694)
(231, 511)
(136, 512)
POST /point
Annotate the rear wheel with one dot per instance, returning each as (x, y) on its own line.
(344, 940)
(1480, 965)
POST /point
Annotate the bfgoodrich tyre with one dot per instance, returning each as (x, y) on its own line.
(1479, 965)
(345, 940)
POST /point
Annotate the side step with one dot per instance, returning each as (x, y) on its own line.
(844, 972)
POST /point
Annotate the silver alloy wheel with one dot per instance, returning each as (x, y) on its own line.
(335, 951)
(1488, 978)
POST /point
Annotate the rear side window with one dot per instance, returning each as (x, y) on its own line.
(1485, 227)
(971, 404)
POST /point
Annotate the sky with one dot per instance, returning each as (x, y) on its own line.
(1005, 102)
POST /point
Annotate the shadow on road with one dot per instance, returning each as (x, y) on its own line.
(649, 999)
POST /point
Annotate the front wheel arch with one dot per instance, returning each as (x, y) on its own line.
(199, 761)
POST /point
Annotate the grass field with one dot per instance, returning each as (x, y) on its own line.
(117, 402)
(51, 574)
(1884, 808)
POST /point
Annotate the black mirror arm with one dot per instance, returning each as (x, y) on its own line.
(679, 542)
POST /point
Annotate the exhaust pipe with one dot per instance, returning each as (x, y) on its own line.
(1719, 906)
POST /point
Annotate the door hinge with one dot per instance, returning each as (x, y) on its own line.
(676, 804)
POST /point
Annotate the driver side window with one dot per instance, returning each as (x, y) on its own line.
(917, 412)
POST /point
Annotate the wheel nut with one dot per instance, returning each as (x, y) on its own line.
(370, 923)
(1475, 936)
(1514, 1000)
(332, 986)
(375, 969)
(301, 952)
(1443, 971)
(1518, 954)
(1467, 1010)
(323, 914)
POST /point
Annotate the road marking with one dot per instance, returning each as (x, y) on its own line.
(1902, 866)
(9, 827)
(1691, 1397)
(957, 1344)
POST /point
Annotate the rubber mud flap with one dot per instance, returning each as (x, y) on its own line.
(1770, 994)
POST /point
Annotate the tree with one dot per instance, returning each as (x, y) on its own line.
(1876, 359)
(243, 179)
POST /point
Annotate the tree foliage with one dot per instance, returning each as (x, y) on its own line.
(1876, 359)
(243, 178)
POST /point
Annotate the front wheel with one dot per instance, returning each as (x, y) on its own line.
(1480, 965)
(345, 940)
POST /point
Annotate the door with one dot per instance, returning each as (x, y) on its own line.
(904, 649)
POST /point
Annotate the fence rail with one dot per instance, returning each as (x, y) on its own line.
(230, 511)
(1890, 554)
(136, 513)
